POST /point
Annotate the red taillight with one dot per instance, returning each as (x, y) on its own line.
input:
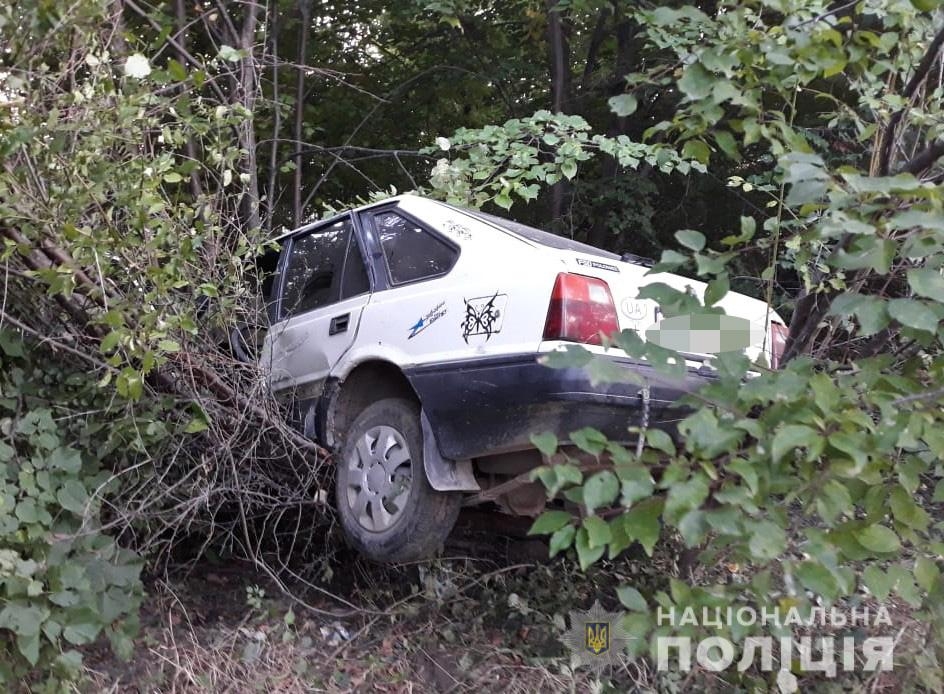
(778, 340)
(581, 308)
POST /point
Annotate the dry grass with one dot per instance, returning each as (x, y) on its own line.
(486, 622)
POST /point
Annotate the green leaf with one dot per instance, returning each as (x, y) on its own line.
(906, 510)
(816, 577)
(670, 260)
(833, 501)
(717, 289)
(177, 71)
(696, 82)
(196, 425)
(878, 539)
(623, 104)
(110, 341)
(27, 512)
(727, 144)
(172, 177)
(697, 150)
(549, 522)
(65, 459)
(658, 439)
(598, 532)
(695, 240)
(927, 282)
(869, 311)
(926, 573)
(642, 523)
(791, 437)
(590, 440)
(747, 471)
(600, 490)
(879, 583)
(83, 627)
(22, 619)
(693, 527)
(631, 599)
(561, 540)
(28, 645)
(635, 483)
(768, 541)
(913, 314)
(685, 496)
(586, 554)
(73, 496)
(230, 54)
(569, 168)
(572, 356)
(867, 252)
(546, 443)
(11, 344)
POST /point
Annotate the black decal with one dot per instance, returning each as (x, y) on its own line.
(483, 316)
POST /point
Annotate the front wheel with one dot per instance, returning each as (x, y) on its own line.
(387, 508)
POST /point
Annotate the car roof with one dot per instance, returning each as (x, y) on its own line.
(523, 232)
(534, 235)
(345, 213)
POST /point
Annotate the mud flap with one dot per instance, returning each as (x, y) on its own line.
(445, 475)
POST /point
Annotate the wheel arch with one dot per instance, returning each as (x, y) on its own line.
(345, 398)
(376, 379)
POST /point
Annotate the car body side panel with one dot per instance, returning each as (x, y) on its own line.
(489, 405)
(493, 301)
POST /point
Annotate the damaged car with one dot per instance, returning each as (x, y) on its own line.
(407, 334)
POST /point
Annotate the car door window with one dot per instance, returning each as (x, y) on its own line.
(316, 276)
(355, 280)
(411, 252)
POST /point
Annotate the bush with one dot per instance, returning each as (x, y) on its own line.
(62, 580)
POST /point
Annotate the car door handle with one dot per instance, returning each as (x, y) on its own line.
(339, 324)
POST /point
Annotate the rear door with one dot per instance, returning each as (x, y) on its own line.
(323, 288)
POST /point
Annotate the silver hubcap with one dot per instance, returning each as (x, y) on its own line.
(379, 478)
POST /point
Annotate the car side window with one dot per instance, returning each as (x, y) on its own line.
(355, 280)
(412, 253)
(316, 275)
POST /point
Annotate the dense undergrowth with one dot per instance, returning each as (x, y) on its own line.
(131, 209)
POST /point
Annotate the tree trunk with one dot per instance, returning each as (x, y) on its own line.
(599, 234)
(276, 120)
(180, 50)
(304, 10)
(559, 54)
(249, 84)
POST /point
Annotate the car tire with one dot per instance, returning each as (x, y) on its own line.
(387, 508)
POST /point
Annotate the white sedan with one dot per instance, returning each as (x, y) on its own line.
(407, 334)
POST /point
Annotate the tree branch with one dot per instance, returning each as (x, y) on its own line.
(920, 73)
(924, 159)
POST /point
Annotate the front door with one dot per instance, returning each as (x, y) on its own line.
(323, 290)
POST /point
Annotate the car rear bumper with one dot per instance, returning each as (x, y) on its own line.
(491, 405)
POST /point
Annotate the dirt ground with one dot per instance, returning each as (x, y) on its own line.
(482, 618)
(486, 617)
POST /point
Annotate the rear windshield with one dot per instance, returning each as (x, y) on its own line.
(544, 238)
